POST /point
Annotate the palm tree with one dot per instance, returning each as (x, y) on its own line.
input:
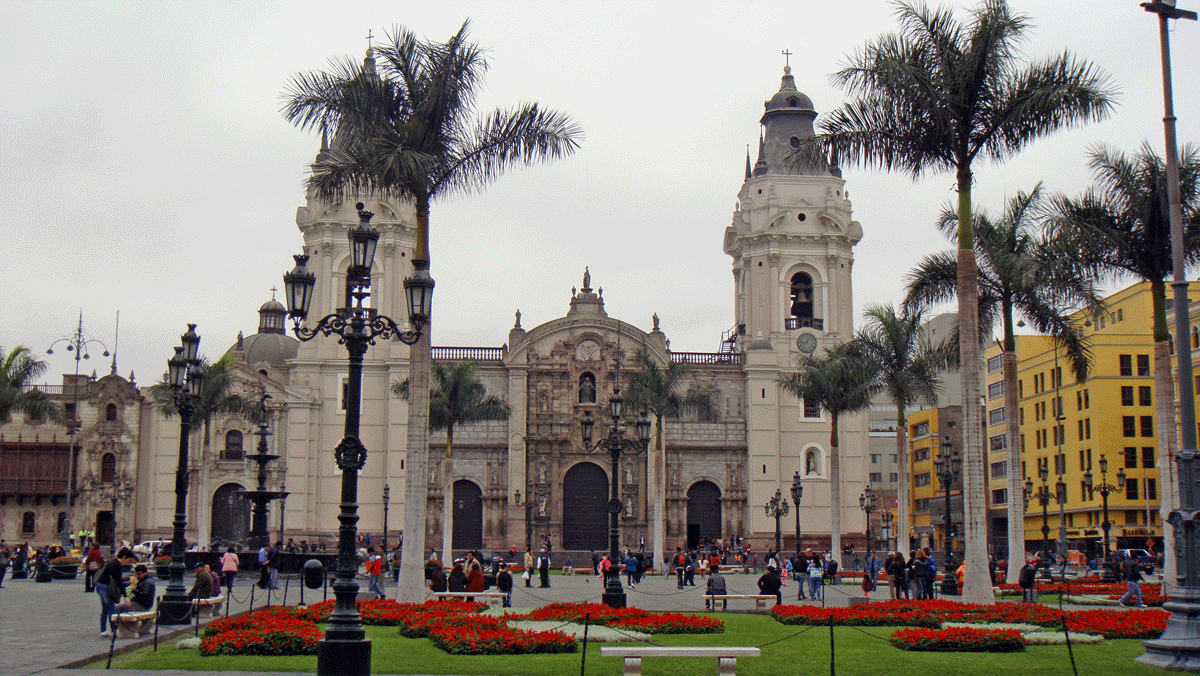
(217, 396)
(457, 398)
(841, 382)
(1017, 275)
(934, 96)
(18, 369)
(908, 366)
(1121, 227)
(407, 130)
(657, 389)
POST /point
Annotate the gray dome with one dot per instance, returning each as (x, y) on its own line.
(273, 348)
(273, 306)
(788, 97)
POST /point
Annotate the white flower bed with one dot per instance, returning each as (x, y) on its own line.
(595, 632)
(1089, 600)
(1057, 638)
(1023, 628)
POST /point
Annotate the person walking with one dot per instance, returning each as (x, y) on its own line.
(264, 568)
(680, 567)
(529, 568)
(1133, 575)
(273, 564)
(229, 567)
(109, 588)
(631, 569)
(816, 575)
(871, 571)
(91, 566)
(504, 585)
(544, 567)
(374, 569)
(920, 576)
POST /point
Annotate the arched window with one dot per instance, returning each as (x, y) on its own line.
(108, 467)
(587, 389)
(800, 310)
(110, 412)
(233, 446)
(27, 523)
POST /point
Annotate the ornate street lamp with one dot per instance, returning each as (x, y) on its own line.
(777, 506)
(185, 379)
(948, 465)
(1044, 496)
(345, 649)
(797, 493)
(387, 494)
(1104, 488)
(887, 524)
(1177, 648)
(616, 442)
(868, 502)
(78, 343)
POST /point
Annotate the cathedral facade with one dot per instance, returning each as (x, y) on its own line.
(791, 245)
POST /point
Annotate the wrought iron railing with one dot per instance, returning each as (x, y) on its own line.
(793, 323)
(707, 358)
(465, 353)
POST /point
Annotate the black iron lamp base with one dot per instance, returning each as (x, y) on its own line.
(344, 658)
(174, 610)
(613, 599)
(949, 585)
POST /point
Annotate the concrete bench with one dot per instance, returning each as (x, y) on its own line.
(133, 625)
(760, 600)
(494, 599)
(210, 607)
(726, 657)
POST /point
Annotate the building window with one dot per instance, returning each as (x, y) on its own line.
(1151, 489)
(921, 505)
(1143, 364)
(1130, 457)
(1131, 517)
(108, 467)
(921, 479)
(1147, 426)
(921, 455)
(1079, 400)
(876, 458)
(1144, 397)
(802, 296)
(1127, 395)
(1125, 361)
(810, 410)
(27, 523)
(1131, 490)
(995, 363)
(1000, 496)
(893, 477)
(998, 442)
(920, 429)
(996, 390)
(587, 389)
(999, 469)
(1129, 426)
(876, 477)
(1086, 403)
(233, 446)
(110, 412)
(1148, 457)
(996, 416)
(1082, 462)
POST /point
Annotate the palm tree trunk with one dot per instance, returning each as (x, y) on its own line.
(1016, 505)
(902, 541)
(835, 493)
(448, 499)
(1164, 413)
(658, 488)
(977, 583)
(416, 478)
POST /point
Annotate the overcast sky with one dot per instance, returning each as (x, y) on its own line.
(146, 167)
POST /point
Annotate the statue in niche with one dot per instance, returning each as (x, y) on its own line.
(810, 463)
(628, 472)
(541, 505)
(674, 478)
(628, 505)
(495, 478)
(541, 474)
(733, 477)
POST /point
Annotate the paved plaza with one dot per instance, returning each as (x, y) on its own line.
(46, 627)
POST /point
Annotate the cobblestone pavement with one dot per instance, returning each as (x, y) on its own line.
(45, 627)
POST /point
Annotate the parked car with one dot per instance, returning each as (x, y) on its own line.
(1144, 558)
(144, 549)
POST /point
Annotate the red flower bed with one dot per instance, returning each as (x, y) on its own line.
(854, 616)
(422, 624)
(1121, 624)
(385, 612)
(959, 639)
(260, 633)
(628, 618)
(495, 639)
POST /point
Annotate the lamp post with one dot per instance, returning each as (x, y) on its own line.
(1177, 647)
(345, 649)
(1104, 488)
(1043, 496)
(886, 537)
(387, 494)
(777, 506)
(185, 379)
(797, 493)
(868, 502)
(948, 465)
(78, 343)
(115, 492)
(616, 443)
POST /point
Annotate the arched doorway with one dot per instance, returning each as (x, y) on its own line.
(703, 513)
(468, 515)
(230, 516)
(585, 508)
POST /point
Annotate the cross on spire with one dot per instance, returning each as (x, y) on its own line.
(273, 290)
(369, 36)
(786, 55)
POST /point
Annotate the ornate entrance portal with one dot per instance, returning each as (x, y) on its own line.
(703, 513)
(585, 508)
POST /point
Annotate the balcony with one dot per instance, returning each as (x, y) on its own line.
(793, 323)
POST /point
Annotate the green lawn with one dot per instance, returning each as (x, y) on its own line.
(786, 649)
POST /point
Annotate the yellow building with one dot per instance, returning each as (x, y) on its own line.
(927, 430)
(1068, 426)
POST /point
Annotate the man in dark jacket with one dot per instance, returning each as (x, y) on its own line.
(770, 583)
(202, 588)
(1130, 569)
(715, 587)
(544, 567)
(143, 592)
(504, 585)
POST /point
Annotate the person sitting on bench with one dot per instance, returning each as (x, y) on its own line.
(715, 587)
(141, 599)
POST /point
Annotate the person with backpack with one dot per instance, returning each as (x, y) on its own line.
(374, 569)
(920, 576)
(816, 575)
(680, 567)
(1027, 578)
(1130, 569)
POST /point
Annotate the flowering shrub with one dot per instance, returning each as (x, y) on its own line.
(959, 639)
(260, 633)
(64, 561)
(1124, 624)
(633, 619)
(487, 639)
(162, 560)
(388, 613)
(900, 617)
(421, 624)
